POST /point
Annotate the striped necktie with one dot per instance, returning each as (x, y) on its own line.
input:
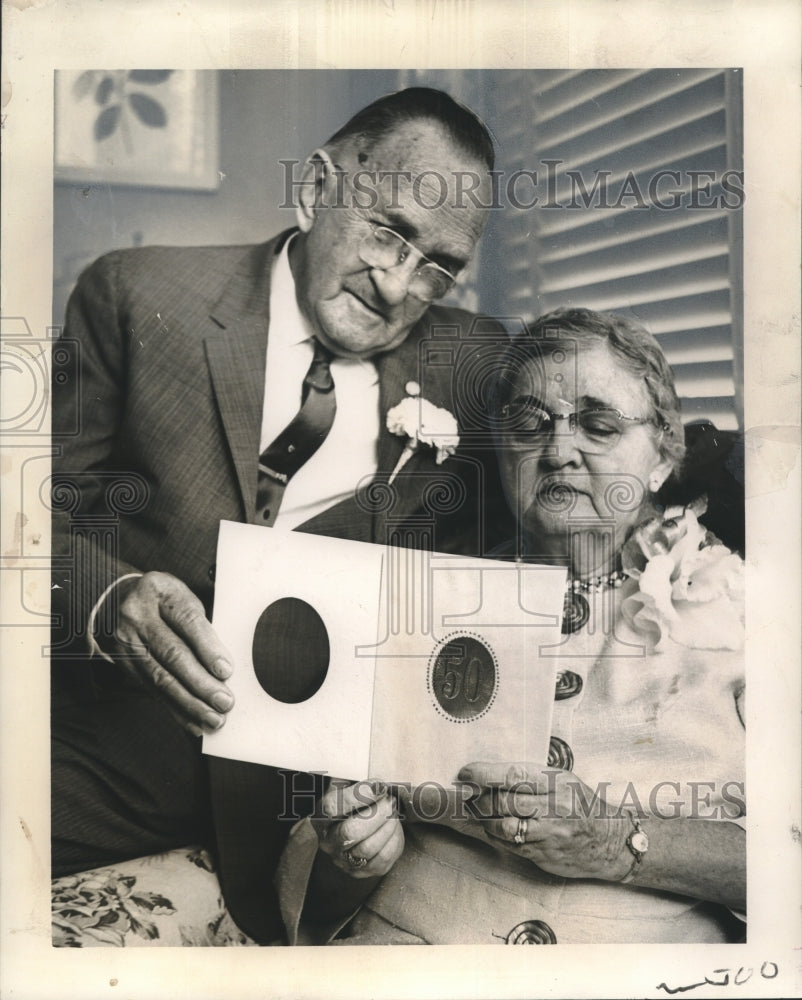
(299, 440)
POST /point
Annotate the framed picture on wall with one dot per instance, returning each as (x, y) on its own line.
(144, 128)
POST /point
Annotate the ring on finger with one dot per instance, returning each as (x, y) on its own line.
(354, 861)
(520, 833)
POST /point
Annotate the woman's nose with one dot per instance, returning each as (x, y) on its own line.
(561, 448)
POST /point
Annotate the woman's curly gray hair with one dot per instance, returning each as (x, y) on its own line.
(636, 348)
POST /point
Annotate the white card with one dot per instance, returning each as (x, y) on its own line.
(362, 660)
(330, 730)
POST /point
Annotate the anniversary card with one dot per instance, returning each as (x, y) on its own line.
(363, 660)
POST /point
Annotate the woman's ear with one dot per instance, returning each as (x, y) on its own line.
(658, 476)
(310, 188)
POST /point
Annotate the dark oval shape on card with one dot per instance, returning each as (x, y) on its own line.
(291, 651)
(463, 678)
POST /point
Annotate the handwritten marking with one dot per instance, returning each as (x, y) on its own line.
(768, 970)
(680, 989)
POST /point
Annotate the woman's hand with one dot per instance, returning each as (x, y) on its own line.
(551, 818)
(359, 829)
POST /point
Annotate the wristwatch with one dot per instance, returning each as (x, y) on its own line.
(638, 844)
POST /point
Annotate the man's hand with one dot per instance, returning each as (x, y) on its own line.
(164, 639)
(359, 829)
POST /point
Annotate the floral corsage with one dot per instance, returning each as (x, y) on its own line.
(423, 423)
(689, 585)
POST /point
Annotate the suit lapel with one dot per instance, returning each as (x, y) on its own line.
(394, 372)
(237, 365)
(236, 353)
(396, 369)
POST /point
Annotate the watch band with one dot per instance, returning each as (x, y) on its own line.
(638, 844)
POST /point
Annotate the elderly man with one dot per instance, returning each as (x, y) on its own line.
(240, 383)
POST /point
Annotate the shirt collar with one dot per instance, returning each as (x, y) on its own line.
(294, 328)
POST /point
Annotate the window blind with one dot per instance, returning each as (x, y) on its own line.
(638, 212)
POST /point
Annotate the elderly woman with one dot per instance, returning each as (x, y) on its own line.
(633, 833)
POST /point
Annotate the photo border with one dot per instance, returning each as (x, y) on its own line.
(763, 39)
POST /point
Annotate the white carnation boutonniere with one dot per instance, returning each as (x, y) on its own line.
(689, 586)
(423, 423)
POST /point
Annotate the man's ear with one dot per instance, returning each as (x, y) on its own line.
(310, 189)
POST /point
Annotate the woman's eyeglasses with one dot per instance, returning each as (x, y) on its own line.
(527, 422)
(384, 248)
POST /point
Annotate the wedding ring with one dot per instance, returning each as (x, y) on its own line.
(520, 836)
(354, 861)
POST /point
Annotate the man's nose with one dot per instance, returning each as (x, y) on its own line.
(393, 283)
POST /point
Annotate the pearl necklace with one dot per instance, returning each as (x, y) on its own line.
(597, 582)
(576, 609)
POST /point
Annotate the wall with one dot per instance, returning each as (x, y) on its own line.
(265, 116)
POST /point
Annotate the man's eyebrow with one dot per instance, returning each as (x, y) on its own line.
(448, 261)
(399, 222)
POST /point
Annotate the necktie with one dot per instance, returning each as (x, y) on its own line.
(299, 440)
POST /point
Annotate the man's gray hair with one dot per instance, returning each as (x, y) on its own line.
(378, 119)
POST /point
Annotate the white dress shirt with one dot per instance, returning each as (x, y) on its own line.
(349, 453)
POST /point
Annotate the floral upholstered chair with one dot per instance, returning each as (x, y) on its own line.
(170, 899)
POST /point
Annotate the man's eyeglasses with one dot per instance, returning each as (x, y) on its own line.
(384, 248)
(527, 423)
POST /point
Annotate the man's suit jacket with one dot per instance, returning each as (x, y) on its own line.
(158, 393)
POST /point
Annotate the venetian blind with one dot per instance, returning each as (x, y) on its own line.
(662, 247)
